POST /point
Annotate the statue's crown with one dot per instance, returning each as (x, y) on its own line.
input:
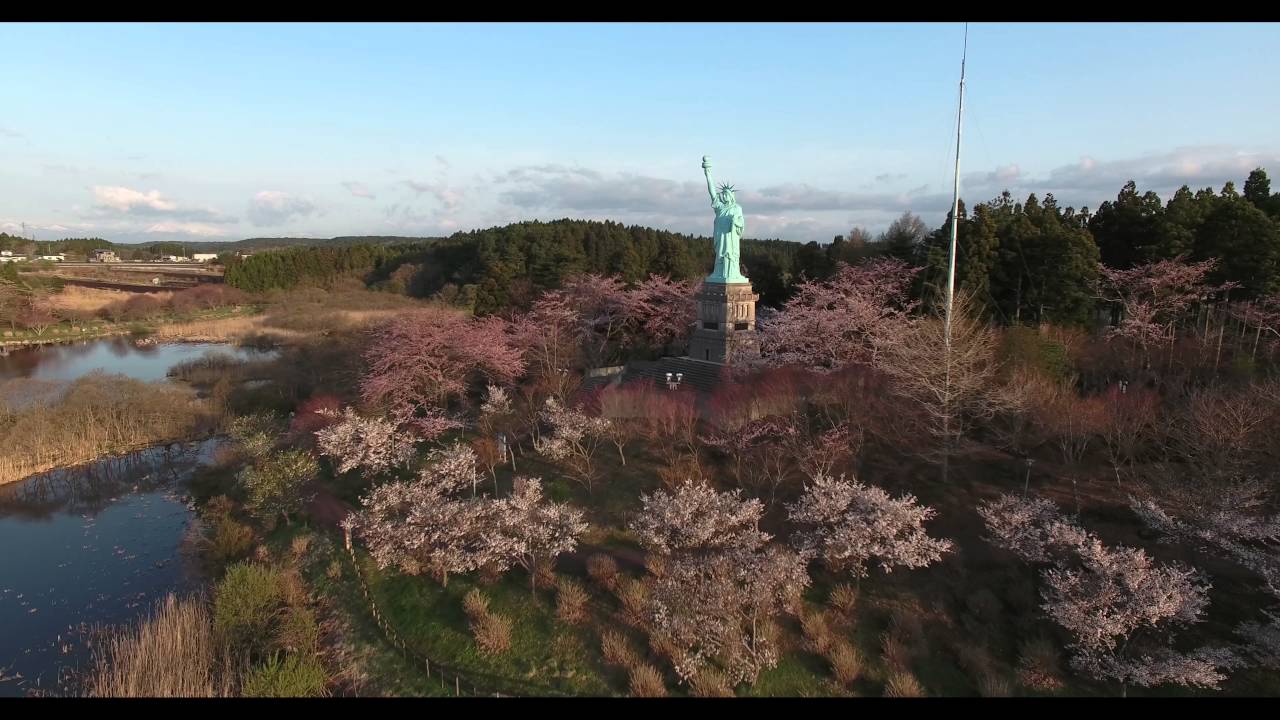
(727, 186)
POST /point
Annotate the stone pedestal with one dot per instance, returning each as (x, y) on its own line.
(726, 319)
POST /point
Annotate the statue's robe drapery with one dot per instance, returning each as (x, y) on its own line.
(727, 230)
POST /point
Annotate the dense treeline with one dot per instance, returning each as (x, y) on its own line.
(288, 268)
(1033, 261)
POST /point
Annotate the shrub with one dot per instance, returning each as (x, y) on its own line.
(492, 633)
(846, 662)
(298, 631)
(247, 605)
(617, 650)
(1038, 667)
(646, 681)
(231, 540)
(571, 601)
(334, 571)
(843, 599)
(299, 546)
(634, 597)
(903, 684)
(294, 676)
(992, 685)
(894, 651)
(603, 569)
(255, 432)
(475, 604)
(655, 564)
(710, 683)
(275, 484)
(816, 632)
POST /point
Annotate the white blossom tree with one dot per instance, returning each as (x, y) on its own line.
(574, 439)
(697, 518)
(849, 524)
(531, 530)
(719, 608)
(374, 445)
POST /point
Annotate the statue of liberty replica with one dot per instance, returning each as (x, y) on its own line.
(726, 303)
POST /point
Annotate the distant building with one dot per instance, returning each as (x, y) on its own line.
(204, 257)
(101, 255)
(12, 258)
(173, 258)
(55, 258)
(6, 253)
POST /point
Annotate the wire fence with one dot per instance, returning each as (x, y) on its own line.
(468, 683)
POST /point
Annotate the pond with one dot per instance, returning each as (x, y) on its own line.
(97, 544)
(117, 355)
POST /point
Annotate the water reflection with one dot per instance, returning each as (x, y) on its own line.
(89, 545)
(114, 355)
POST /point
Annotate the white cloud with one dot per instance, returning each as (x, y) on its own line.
(275, 207)
(9, 132)
(358, 189)
(126, 200)
(117, 201)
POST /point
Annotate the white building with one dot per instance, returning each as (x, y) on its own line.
(6, 253)
(54, 258)
(101, 255)
(204, 257)
(173, 258)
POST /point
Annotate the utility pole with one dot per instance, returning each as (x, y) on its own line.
(951, 271)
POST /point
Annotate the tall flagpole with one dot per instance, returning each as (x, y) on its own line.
(951, 261)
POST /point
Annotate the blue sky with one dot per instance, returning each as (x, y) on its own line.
(225, 131)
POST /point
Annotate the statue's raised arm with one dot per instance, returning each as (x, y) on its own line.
(706, 170)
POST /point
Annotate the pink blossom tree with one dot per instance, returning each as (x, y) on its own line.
(421, 360)
(549, 336)
(1153, 299)
(848, 524)
(848, 318)
(662, 312)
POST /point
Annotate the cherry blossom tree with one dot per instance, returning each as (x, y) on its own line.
(421, 360)
(531, 530)
(573, 440)
(1153, 298)
(848, 524)
(549, 336)
(373, 445)
(661, 311)
(422, 525)
(720, 608)
(1109, 595)
(604, 316)
(416, 527)
(1121, 608)
(1029, 527)
(848, 318)
(696, 518)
